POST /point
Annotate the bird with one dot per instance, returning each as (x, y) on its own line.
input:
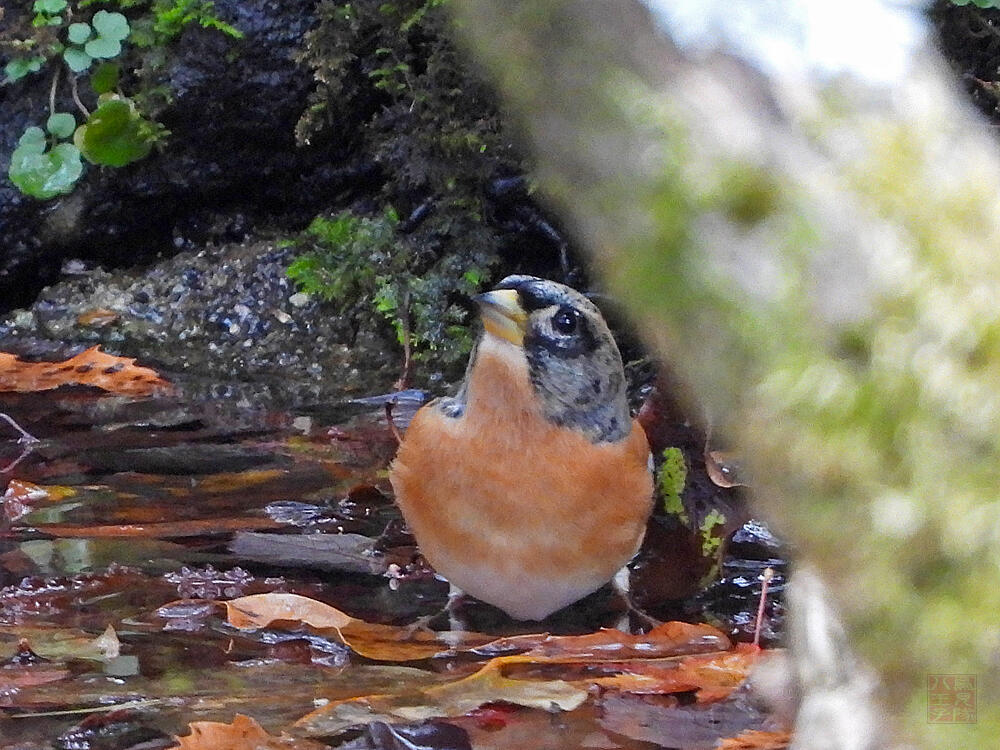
(531, 487)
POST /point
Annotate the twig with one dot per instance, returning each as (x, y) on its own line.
(26, 437)
(27, 440)
(392, 425)
(13, 465)
(768, 575)
(92, 709)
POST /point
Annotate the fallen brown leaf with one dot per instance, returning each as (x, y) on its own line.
(668, 639)
(91, 367)
(97, 318)
(261, 610)
(712, 677)
(371, 640)
(243, 734)
(724, 469)
(456, 698)
(757, 740)
(60, 643)
(669, 659)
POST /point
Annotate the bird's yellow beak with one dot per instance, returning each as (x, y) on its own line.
(503, 315)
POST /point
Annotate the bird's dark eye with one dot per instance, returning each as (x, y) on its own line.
(565, 321)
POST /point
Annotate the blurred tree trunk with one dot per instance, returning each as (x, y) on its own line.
(823, 271)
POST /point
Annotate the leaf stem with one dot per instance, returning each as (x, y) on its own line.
(76, 97)
(52, 90)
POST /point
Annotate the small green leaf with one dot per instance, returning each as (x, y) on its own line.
(18, 68)
(43, 174)
(110, 25)
(77, 60)
(61, 124)
(103, 47)
(49, 7)
(43, 19)
(104, 77)
(115, 134)
(78, 33)
(32, 140)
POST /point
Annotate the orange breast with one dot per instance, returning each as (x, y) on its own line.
(513, 510)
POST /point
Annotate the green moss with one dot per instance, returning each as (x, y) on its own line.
(364, 266)
(344, 257)
(671, 481)
(711, 542)
(392, 85)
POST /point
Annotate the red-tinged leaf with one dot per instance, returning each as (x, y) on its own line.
(711, 676)
(717, 675)
(492, 717)
(668, 639)
(20, 497)
(26, 491)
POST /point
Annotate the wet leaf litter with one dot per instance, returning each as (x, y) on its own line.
(168, 565)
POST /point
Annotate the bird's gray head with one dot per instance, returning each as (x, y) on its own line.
(573, 361)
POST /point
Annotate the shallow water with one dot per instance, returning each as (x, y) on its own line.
(155, 509)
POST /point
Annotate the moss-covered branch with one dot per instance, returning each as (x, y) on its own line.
(827, 281)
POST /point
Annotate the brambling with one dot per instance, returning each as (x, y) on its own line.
(531, 488)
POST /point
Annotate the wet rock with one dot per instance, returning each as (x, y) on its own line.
(182, 459)
(222, 316)
(230, 161)
(117, 730)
